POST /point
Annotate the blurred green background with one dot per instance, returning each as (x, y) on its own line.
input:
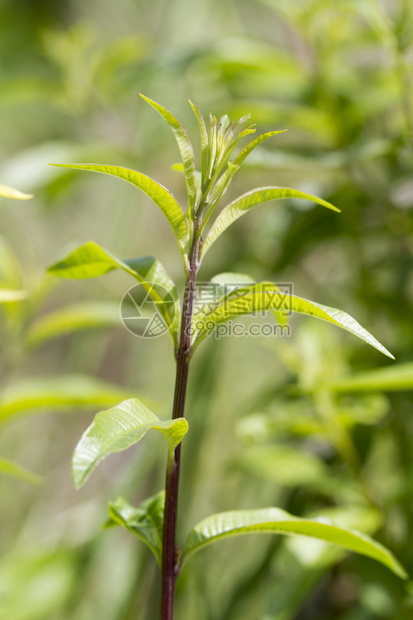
(318, 423)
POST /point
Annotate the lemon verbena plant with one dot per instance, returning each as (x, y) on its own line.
(196, 229)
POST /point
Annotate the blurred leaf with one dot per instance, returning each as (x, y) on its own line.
(90, 260)
(61, 393)
(7, 295)
(17, 471)
(73, 318)
(159, 194)
(184, 145)
(251, 199)
(266, 296)
(146, 521)
(277, 521)
(36, 585)
(393, 378)
(116, 430)
(10, 192)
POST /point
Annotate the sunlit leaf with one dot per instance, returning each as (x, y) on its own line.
(10, 468)
(73, 318)
(184, 145)
(146, 521)
(204, 140)
(277, 521)
(115, 430)
(10, 192)
(61, 393)
(247, 201)
(265, 296)
(90, 260)
(7, 295)
(159, 194)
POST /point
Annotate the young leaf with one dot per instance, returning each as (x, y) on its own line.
(17, 471)
(204, 141)
(251, 199)
(115, 430)
(266, 296)
(10, 192)
(159, 194)
(90, 260)
(72, 318)
(184, 145)
(242, 155)
(277, 521)
(146, 521)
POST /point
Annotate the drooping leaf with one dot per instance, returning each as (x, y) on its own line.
(146, 521)
(7, 295)
(243, 154)
(90, 260)
(10, 192)
(184, 145)
(72, 318)
(159, 194)
(115, 430)
(266, 296)
(277, 521)
(10, 468)
(247, 201)
(57, 394)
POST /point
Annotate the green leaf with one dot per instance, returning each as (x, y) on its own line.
(242, 155)
(61, 393)
(90, 260)
(7, 295)
(184, 145)
(159, 194)
(10, 192)
(73, 318)
(394, 378)
(277, 521)
(116, 430)
(10, 468)
(251, 199)
(204, 141)
(146, 521)
(266, 296)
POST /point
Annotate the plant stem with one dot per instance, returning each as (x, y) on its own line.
(170, 569)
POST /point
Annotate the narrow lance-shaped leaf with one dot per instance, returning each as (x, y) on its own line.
(243, 154)
(247, 201)
(90, 260)
(73, 318)
(204, 141)
(146, 521)
(10, 468)
(157, 192)
(266, 296)
(184, 145)
(10, 192)
(115, 430)
(277, 521)
(59, 394)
